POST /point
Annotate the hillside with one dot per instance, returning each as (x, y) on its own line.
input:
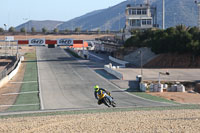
(38, 25)
(113, 18)
(174, 61)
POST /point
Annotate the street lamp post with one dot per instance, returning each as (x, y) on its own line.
(119, 22)
(26, 27)
(5, 41)
(5, 27)
(141, 67)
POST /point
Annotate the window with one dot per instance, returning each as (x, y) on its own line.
(138, 22)
(148, 21)
(134, 11)
(129, 11)
(139, 11)
(144, 21)
(144, 11)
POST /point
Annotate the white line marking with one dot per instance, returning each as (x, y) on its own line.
(126, 91)
(96, 56)
(19, 105)
(23, 82)
(29, 92)
(122, 89)
(40, 86)
(78, 75)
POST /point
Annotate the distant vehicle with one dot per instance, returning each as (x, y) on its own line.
(91, 45)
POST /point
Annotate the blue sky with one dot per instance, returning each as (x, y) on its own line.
(15, 12)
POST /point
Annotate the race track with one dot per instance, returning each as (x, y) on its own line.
(67, 83)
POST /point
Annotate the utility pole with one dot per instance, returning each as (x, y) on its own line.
(198, 4)
(163, 19)
(119, 22)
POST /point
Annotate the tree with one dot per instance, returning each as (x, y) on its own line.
(1, 30)
(98, 31)
(11, 29)
(44, 30)
(33, 29)
(78, 29)
(107, 31)
(23, 30)
(67, 30)
(55, 30)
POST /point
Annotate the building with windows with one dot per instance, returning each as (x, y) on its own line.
(141, 16)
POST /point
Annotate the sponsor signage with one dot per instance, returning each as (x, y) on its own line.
(37, 42)
(65, 42)
(9, 38)
(78, 41)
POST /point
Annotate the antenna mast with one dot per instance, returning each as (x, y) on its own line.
(163, 15)
(198, 4)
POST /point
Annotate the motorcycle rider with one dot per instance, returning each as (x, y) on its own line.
(98, 93)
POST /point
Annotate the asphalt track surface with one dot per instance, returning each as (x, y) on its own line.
(67, 83)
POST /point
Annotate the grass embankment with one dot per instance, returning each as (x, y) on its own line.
(30, 84)
(153, 98)
(72, 53)
(148, 96)
(92, 111)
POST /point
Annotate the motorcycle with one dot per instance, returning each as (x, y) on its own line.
(108, 100)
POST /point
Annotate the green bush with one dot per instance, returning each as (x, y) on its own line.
(180, 39)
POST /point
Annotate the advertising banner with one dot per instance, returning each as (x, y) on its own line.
(37, 42)
(9, 38)
(65, 42)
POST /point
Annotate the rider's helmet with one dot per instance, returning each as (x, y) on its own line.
(96, 88)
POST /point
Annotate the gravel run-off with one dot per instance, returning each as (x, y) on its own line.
(130, 121)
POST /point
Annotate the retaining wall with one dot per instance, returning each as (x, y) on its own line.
(123, 63)
(6, 79)
(111, 70)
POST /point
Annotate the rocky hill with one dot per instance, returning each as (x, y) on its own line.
(113, 18)
(174, 61)
(38, 25)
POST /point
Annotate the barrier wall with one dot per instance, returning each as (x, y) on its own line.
(123, 63)
(110, 70)
(11, 75)
(14, 72)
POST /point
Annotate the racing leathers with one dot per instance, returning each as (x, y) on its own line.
(100, 94)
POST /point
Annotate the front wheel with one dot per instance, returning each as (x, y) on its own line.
(106, 101)
(113, 104)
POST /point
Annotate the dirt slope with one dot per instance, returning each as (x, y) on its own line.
(121, 122)
(174, 61)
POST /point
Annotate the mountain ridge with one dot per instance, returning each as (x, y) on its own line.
(113, 18)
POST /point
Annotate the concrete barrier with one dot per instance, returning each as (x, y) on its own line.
(110, 70)
(14, 72)
(123, 63)
(6, 79)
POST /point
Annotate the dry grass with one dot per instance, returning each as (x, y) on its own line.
(132, 121)
(84, 37)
